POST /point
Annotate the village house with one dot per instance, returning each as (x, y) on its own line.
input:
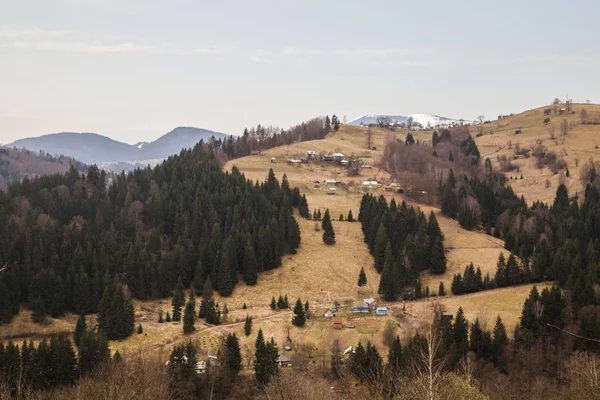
(284, 360)
(370, 184)
(330, 182)
(337, 324)
(311, 154)
(371, 303)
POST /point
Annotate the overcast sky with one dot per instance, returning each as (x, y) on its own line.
(135, 69)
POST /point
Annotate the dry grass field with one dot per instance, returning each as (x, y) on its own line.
(580, 144)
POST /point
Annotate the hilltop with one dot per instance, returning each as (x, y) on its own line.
(542, 144)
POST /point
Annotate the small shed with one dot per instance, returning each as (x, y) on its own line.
(330, 181)
(273, 160)
(329, 314)
(337, 156)
(382, 311)
(284, 360)
(337, 324)
(370, 184)
(294, 161)
(331, 190)
(360, 307)
(344, 162)
(311, 154)
(255, 153)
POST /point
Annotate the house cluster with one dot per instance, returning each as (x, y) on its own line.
(201, 365)
(369, 305)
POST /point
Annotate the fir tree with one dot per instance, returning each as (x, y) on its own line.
(250, 273)
(350, 217)
(189, 318)
(362, 277)
(80, 329)
(248, 325)
(160, 317)
(328, 233)
(441, 289)
(395, 359)
(38, 314)
(273, 303)
(93, 351)
(299, 318)
(388, 284)
(264, 362)
(140, 330)
(499, 342)
(233, 356)
(168, 317)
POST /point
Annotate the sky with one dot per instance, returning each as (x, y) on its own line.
(135, 69)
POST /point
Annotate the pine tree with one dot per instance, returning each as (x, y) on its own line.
(286, 303)
(140, 330)
(381, 241)
(306, 306)
(437, 262)
(261, 362)
(362, 277)
(409, 139)
(248, 325)
(199, 276)
(189, 318)
(168, 317)
(160, 317)
(299, 318)
(273, 304)
(225, 282)
(328, 233)
(80, 329)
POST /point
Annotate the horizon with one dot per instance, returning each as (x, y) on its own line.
(133, 70)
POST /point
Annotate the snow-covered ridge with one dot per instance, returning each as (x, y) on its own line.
(420, 120)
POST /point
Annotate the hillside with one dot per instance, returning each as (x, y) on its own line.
(498, 138)
(420, 120)
(93, 148)
(17, 164)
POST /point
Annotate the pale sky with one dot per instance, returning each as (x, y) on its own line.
(135, 69)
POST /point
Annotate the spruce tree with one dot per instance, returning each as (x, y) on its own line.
(299, 318)
(328, 233)
(80, 329)
(248, 325)
(437, 262)
(233, 356)
(499, 342)
(395, 359)
(460, 333)
(388, 284)
(93, 351)
(140, 330)
(441, 289)
(273, 303)
(260, 360)
(168, 317)
(189, 318)
(350, 217)
(251, 264)
(178, 300)
(207, 297)
(362, 277)
(38, 312)
(199, 277)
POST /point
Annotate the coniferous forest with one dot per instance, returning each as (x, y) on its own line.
(67, 240)
(403, 243)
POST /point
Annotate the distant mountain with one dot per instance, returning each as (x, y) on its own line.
(92, 148)
(17, 164)
(424, 120)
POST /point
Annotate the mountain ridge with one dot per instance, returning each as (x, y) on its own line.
(94, 148)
